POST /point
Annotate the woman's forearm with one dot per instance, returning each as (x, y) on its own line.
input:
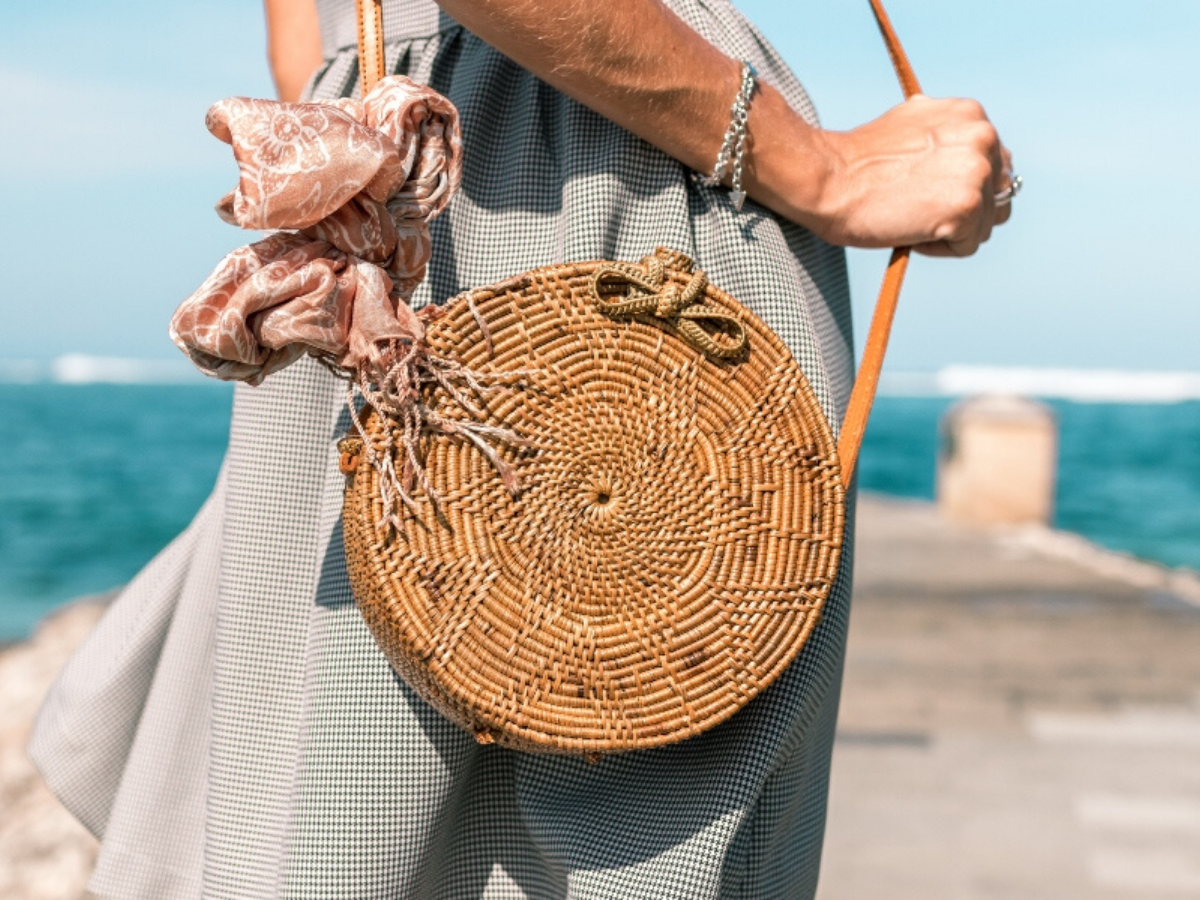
(924, 174)
(636, 63)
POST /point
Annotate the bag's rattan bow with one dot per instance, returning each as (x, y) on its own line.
(622, 290)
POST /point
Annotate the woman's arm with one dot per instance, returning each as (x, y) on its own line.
(921, 175)
(293, 44)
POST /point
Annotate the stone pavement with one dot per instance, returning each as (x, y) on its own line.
(1020, 719)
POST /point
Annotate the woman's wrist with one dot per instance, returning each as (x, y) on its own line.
(789, 163)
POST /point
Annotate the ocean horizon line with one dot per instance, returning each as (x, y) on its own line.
(1105, 385)
(84, 368)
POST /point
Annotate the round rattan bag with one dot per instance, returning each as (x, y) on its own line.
(677, 529)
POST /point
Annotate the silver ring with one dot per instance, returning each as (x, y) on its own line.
(1005, 196)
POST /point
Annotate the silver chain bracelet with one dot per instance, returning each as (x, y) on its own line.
(733, 148)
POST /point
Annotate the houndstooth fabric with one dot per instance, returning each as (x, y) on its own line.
(230, 730)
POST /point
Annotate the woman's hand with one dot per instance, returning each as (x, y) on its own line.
(923, 175)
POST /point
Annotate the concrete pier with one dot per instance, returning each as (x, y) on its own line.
(1020, 721)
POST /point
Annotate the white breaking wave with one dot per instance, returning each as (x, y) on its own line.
(1083, 385)
(79, 368)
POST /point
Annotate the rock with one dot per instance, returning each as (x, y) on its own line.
(998, 462)
(44, 853)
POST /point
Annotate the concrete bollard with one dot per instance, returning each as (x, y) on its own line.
(998, 461)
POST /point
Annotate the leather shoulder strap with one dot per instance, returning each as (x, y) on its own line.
(904, 69)
(370, 43)
(862, 397)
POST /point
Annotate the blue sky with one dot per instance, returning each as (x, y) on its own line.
(109, 176)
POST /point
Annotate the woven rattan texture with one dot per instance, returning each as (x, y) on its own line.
(678, 528)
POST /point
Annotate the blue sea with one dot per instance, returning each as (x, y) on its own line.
(96, 478)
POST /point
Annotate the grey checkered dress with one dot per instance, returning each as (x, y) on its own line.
(230, 729)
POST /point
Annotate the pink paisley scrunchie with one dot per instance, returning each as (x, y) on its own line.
(353, 185)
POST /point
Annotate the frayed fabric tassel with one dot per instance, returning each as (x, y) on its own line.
(396, 390)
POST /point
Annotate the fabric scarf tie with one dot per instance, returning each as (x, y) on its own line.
(349, 187)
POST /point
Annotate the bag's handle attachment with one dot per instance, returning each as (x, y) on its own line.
(854, 426)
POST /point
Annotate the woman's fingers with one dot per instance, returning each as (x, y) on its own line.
(1005, 173)
(939, 249)
(986, 142)
(1003, 213)
(978, 220)
(990, 176)
(968, 216)
(1004, 182)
